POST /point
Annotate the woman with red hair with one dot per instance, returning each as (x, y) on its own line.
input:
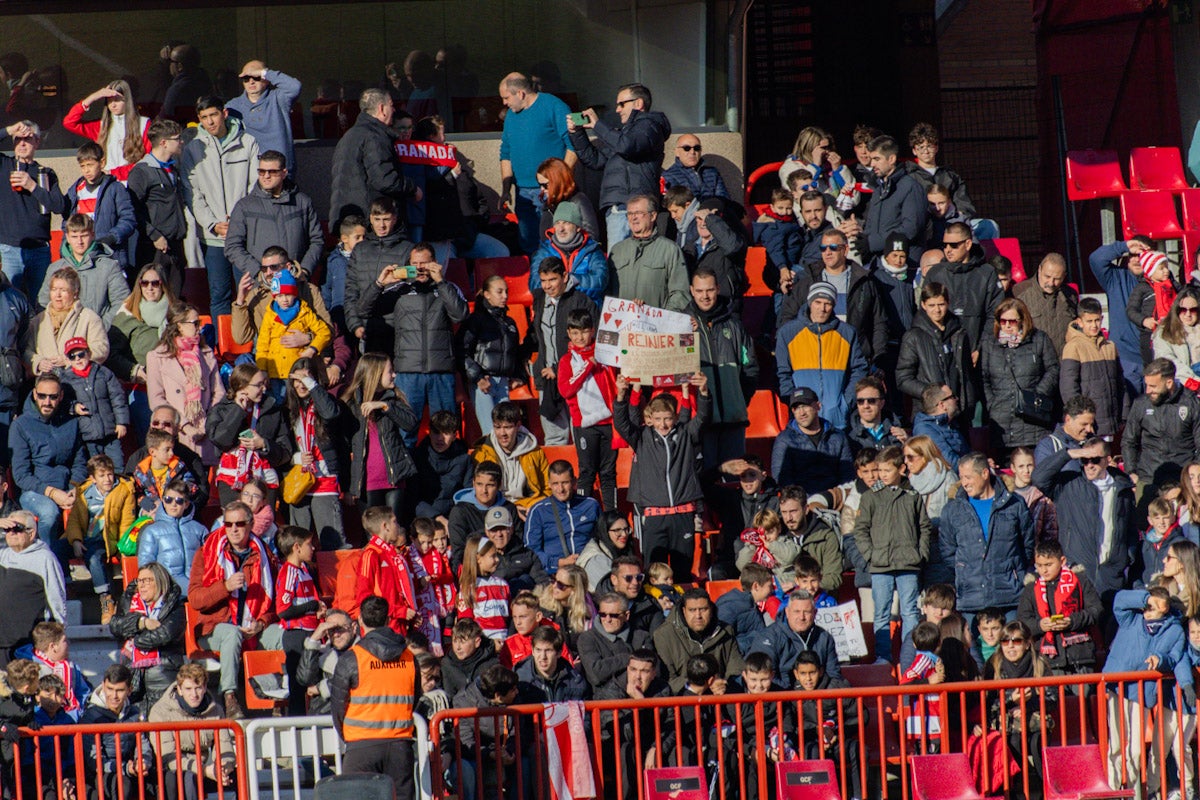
(557, 181)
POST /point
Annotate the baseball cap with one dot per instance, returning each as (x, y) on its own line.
(803, 396)
(498, 517)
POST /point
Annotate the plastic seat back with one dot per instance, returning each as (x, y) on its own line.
(807, 780)
(764, 420)
(514, 270)
(868, 675)
(226, 346)
(456, 273)
(1156, 168)
(1094, 173)
(942, 777)
(1010, 248)
(757, 175)
(1191, 209)
(1150, 214)
(677, 783)
(716, 589)
(194, 651)
(261, 662)
(1075, 772)
(756, 261)
(562, 452)
(129, 569)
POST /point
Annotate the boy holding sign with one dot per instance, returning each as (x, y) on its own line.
(663, 485)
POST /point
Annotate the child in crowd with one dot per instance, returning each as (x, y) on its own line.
(490, 345)
(1163, 532)
(990, 624)
(663, 484)
(763, 545)
(937, 602)
(526, 617)
(1004, 272)
(297, 604)
(1091, 367)
(830, 727)
(807, 571)
(437, 566)
(866, 476)
(758, 678)
(103, 509)
(106, 201)
(942, 212)
(352, 231)
(481, 595)
(1041, 507)
(50, 710)
(778, 231)
(925, 717)
(1061, 608)
(1183, 705)
(661, 587)
(156, 470)
(97, 400)
(925, 144)
(1149, 636)
(467, 659)
(744, 610)
(588, 388)
(1151, 298)
(288, 314)
(19, 686)
(442, 461)
(893, 534)
(51, 651)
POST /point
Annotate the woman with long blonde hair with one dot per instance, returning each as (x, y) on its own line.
(932, 477)
(121, 130)
(566, 602)
(815, 152)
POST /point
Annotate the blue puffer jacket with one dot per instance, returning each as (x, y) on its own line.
(544, 537)
(173, 543)
(784, 646)
(795, 460)
(586, 265)
(988, 572)
(1134, 643)
(46, 452)
(116, 223)
(948, 438)
(738, 610)
(703, 181)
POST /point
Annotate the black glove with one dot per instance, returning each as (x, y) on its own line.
(108, 240)
(10, 733)
(34, 724)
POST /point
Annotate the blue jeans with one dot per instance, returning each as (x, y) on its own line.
(485, 401)
(139, 412)
(616, 225)
(529, 218)
(435, 389)
(485, 247)
(94, 556)
(883, 585)
(223, 279)
(49, 522)
(25, 267)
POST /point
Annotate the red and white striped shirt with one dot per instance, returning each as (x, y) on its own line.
(490, 609)
(295, 587)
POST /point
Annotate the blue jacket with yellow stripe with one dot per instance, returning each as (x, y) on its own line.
(826, 358)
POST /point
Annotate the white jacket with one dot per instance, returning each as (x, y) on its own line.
(216, 175)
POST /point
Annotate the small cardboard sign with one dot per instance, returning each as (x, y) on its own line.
(844, 624)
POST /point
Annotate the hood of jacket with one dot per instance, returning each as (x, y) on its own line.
(974, 258)
(656, 119)
(161, 515)
(96, 702)
(526, 443)
(287, 193)
(232, 139)
(468, 665)
(93, 254)
(59, 417)
(921, 321)
(940, 420)
(719, 313)
(468, 496)
(384, 643)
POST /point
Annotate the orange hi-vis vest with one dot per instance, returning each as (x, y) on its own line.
(381, 706)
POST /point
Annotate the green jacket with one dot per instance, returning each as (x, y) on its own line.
(727, 359)
(651, 270)
(674, 644)
(819, 541)
(893, 531)
(129, 341)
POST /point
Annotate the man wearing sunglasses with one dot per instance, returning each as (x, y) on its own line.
(32, 582)
(48, 460)
(974, 286)
(336, 634)
(254, 298)
(265, 107)
(274, 213)
(604, 649)
(628, 579)
(689, 170)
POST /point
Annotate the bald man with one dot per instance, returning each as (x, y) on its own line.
(535, 128)
(265, 107)
(689, 170)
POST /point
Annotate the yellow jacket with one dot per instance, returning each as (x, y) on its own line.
(119, 514)
(276, 359)
(533, 463)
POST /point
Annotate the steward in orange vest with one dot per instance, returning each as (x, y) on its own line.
(372, 693)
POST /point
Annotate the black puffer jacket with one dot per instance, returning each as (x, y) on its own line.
(1031, 366)
(259, 221)
(974, 292)
(391, 424)
(227, 419)
(664, 468)
(630, 155)
(725, 256)
(929, 355)
(490, 344)
(369, 258)
(864, 306)
(423, 316)
(167, 638)
(1160, 439)
(365, 167)
(101, 393)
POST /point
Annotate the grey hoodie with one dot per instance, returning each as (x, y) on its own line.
(216, 174)
(38, 559)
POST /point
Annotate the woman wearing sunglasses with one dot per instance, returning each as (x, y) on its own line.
(149, 624)
(566, 603)
(1019, 713)
(1178, 338)
(1019, 363)
(174, 537)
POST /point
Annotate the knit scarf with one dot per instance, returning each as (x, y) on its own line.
(83, 373)
(770, 212)
(899, 273)
(187, 351)
(756, 538)
(1153, 626)
(285, 315)
(1068, 601)
(154, 312)
(1164, 297)
(572, 244)
(219, 566)
(927, 480)
(57, 318)
(1007, 339)
(1021, 668)
(138, 658)
(63, 670)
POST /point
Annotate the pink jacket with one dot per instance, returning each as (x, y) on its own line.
(165, 386)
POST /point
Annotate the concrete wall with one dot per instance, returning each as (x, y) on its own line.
(722, 149)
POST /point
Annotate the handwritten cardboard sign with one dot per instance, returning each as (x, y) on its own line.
(427, 153)
(619, 315)
(844, 624)
(658, 359)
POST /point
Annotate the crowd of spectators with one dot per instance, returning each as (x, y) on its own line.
(1069, 529)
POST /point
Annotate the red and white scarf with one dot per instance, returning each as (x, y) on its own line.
(240, 464)
(138, 658)
(219, 565)
(304, 431)
(756, 538)
(1068, 601)
(64, 670)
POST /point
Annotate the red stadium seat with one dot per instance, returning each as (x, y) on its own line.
(194, 651)
(563, 452)
(624, 466)
(718, 588)
(456, 273)
(226, 346)
(764, 421)
(514, 270)
(1010, 248)
(1094, 173)
(1191, 244)
(129, 570)
(56, 238)
(757, 175)
(328, 565)
(1156, 168)
(1150, 214)
(1191, 209)
(756, 261)
(1078, 773)
(261, 662)
(677, 783)
(807, 780)
(869, 675)
(943, 777)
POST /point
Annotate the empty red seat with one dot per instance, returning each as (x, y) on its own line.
(1010, 248)
(456, 273)
(1150, 214)
(716, 589)
(1156, 168)
(756, 261)
(1077, 773)
(764, 420)
(514, 270)
(1191, 209)
(677, 783)
(807, 780)
(1093, 173)
(869, 675)
(943, 777)
(757, 175)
